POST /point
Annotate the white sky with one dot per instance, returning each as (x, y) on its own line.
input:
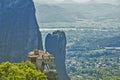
(80, 1)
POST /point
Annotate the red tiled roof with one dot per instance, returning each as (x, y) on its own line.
(41, 55)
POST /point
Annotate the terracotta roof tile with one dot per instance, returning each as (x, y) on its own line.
(41, 54)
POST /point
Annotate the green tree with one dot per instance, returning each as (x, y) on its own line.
(20, 71)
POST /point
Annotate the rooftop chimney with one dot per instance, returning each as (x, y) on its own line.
(36, 52)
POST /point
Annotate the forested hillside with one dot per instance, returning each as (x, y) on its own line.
(89, 29)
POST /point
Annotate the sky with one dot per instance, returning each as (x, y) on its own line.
(78, 1)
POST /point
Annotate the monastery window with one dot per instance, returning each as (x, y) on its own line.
(33, 59)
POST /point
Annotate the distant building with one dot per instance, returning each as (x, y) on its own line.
(112, 48)
(42, 59)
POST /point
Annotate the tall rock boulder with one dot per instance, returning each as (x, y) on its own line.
(19, 31)
(55, 44)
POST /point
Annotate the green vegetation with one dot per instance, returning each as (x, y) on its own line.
(20, 71)
(94, 27)
(86, 57)
(94, 65)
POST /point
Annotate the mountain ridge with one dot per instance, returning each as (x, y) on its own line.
(73, 12)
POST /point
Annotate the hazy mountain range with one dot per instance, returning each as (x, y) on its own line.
(78, 1)
(76, 11)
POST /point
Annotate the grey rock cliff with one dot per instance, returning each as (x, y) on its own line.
(55, 44)
(19, 31)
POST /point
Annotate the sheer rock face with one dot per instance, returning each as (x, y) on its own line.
(55, 44)
(19, 31)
